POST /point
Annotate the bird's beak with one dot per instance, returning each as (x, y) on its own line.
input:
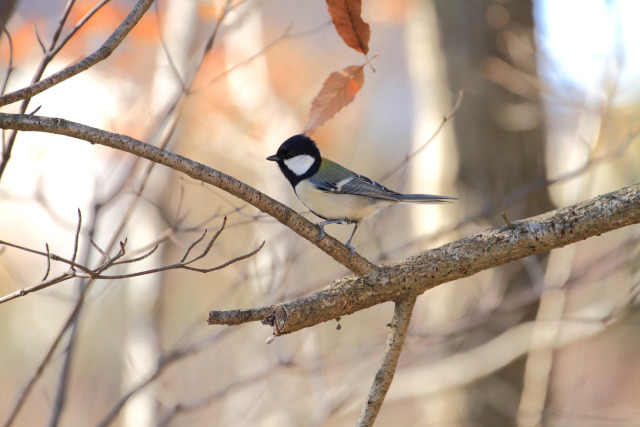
(274, 158)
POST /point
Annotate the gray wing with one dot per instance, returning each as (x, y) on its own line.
(353, 183)
(357, 184)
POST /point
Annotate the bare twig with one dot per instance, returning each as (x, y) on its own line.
(21, 398)
(446, 118)
(61, 23)
(46, 59)
(228, 263)
(163, 363)
(210, 244)
(102, 53)
(97, 273)
(42, 285)
(285, 35)
(40, 42)
(46, 273)
(195, 242)
(139, 258)
(100, 251)
(209, 44)
(392, 349)
(77, 238)
(506, 219)
(205, 401)
(55, 49)
(9, 64)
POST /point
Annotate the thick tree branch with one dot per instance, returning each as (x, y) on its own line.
(463, 258)
(195, 170)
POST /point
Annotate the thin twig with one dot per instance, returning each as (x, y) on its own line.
(100, 54)
(228, 263)
(392, 349)
(55, 49)
(163, 363)
(192, 245)
(100, 251)
(210, 244)
(206, 401)
(285, 35)
(35, 30)
(62, 389)
(42, 285)
(138, 258)
(506, 219)
(172, 64)
(446, 118)
(96, 274)
(45, 361)
(46, 273)
(10, 64)
(77, 237)
(227, 8)
(61, 23)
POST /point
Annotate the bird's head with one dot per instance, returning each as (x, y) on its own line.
(298, 158)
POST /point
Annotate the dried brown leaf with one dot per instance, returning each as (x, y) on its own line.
(345, 15)
(337, 92)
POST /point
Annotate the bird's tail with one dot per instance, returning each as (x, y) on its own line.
(423, 198)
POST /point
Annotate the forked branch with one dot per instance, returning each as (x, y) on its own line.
(97, 273)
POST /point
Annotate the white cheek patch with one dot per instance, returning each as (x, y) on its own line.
(299, 164)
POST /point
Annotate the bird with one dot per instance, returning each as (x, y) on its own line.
(333, 192)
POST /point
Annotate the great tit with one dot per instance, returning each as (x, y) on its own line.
(333, 192)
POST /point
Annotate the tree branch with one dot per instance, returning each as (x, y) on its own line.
(417, 274)
(392, 349)
(101, 54)
(195, 170)
(97, 272)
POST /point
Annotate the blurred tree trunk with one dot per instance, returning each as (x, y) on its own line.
(6, 10)
(490, 53)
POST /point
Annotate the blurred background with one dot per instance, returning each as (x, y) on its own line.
(548, 117)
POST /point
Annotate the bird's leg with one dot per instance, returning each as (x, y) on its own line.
(321, 224)
(348, 244)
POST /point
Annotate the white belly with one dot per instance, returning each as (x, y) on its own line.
(332, 206)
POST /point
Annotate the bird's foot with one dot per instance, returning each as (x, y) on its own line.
(322, 232)
(353, 250)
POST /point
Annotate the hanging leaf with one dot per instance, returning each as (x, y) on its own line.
(337, 92)
(349, 25)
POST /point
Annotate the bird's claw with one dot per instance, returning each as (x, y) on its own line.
(322, 233)
(353, 250)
